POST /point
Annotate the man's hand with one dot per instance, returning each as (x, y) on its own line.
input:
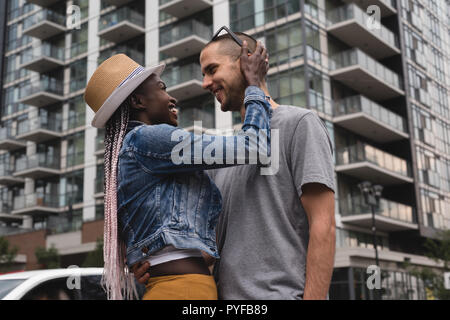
(254, 67)
(140, 271)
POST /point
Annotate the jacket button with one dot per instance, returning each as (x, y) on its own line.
(144, 251)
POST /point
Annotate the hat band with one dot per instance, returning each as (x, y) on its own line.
(132, 75)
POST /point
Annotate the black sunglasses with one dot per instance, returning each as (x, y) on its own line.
(232, 34)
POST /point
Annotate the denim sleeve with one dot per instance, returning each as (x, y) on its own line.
(164, 149)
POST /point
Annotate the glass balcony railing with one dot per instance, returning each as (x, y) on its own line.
(360, 103)
(77, 49)
(390, 209)
(6, 206)
(178, 31)
(66, 226)
(363, 152)
(6, 170)
(75, 159)
(123, 14)
(39, 123)
(6, 134)
(173, 76)
(44, 15)
(39, 160)
(132, 53)
(36, 199)
(46, 84)
(44, 50)
(352, 11)
(355, 56)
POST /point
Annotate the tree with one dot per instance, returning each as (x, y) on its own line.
(48, 258)
(439, 251)
(7, 254)
(95, 258)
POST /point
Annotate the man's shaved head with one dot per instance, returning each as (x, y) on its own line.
(229, 47)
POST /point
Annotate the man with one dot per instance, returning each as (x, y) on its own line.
(276, 233)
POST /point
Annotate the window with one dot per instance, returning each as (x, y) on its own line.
(84, 7)
(78, 44)
(284, 44)
(75, 149)
(77, 112)
(247, 14)
(46, 192)
(78, 76)
(434, 208)
(73, 183)
(288, 87)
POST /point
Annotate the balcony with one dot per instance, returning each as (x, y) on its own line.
(9, 142)
(362, 73)
(6, 176)
(183, 8)
(184, 82)
(387, 7)
(390, 216)
(36, 204)
(369, 119)
(350, 24)
(132, 53)
(11, 218)
(40, 129)
(43, 58)
(37, 166)
(184, 39)
(43, 3)
(369, 163)
(44, 24)
(121, 25)
(45, 92)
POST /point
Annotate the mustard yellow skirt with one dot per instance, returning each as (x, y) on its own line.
(181, 287)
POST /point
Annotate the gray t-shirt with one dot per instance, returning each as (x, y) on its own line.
(262, 233)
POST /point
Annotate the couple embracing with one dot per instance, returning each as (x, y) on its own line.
(213, 227)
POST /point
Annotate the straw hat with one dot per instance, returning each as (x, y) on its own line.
(112, 82)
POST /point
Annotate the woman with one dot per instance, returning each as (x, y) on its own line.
(159, 204)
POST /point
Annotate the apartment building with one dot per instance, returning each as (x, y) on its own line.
(379, 85)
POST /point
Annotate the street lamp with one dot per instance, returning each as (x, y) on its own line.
(372, 195)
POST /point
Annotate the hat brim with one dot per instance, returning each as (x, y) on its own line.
(120, 94)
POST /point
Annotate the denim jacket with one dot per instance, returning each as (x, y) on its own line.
(162, 200)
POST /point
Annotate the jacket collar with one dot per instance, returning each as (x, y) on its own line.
(133, 124)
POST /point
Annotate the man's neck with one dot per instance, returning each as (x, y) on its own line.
(272, 102)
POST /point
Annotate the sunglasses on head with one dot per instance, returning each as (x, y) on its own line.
(231, 33)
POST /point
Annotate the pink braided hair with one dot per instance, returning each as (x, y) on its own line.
(117, 280)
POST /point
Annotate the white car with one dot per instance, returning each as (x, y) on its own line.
(55, 284)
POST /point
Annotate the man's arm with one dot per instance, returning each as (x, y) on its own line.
(318, 202)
